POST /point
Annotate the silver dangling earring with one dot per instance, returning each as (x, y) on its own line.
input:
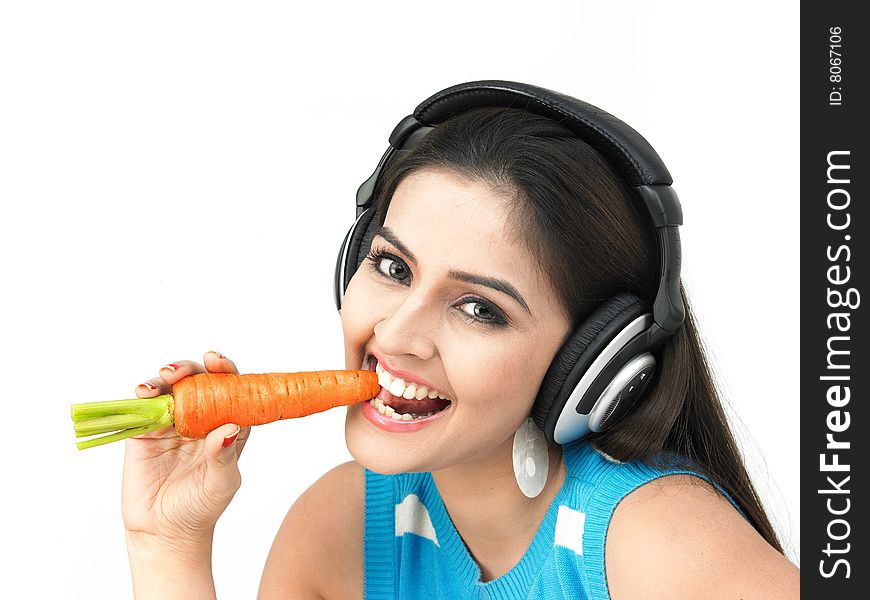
(531, 458)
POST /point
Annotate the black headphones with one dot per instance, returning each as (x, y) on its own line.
(607, 362)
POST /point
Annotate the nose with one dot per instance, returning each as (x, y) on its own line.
(407, 328)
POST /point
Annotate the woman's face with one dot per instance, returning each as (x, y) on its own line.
(417, 310)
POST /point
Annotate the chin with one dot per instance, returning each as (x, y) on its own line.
(373, 459)
(378, 464)
(375, 453)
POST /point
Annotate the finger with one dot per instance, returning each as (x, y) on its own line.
(175, 371)
(244, 434)
(153, 387)
(215, 362)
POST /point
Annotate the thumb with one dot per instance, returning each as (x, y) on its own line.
(220, 446)
(222, 478)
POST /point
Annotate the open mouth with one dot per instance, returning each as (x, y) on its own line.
(403, 401)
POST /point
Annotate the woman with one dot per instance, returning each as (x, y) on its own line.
(494, 238)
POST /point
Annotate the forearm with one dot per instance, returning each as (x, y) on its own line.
(162, 572)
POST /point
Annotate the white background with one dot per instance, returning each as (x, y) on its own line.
(178, 176)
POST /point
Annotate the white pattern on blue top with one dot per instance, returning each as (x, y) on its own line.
(412, 517)
(569, 529)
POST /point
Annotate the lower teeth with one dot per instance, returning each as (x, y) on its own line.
(389, 412)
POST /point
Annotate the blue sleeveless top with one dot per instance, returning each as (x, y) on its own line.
(412, 550)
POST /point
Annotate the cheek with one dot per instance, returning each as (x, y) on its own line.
(501, 382)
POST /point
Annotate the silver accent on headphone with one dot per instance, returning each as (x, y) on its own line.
(611, 408)
(571, 424)
(618, 388)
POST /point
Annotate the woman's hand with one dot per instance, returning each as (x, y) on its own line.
(175, 489)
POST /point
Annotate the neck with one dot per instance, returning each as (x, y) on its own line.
(495, 519)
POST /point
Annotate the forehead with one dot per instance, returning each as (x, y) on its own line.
(445, 198)
(449, 222)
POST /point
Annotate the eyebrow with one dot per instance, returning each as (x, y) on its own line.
(499, 285)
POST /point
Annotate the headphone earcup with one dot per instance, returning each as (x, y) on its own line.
(360, 242)
(578, 353)
(353, 251)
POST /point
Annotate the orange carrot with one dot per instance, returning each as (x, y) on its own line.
(209, 400)
(200, 403)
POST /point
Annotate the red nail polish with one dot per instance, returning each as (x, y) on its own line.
(172, 367)
(216, 353)
(148, 385)
(230, 439)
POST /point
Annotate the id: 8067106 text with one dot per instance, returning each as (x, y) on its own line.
(835, 68)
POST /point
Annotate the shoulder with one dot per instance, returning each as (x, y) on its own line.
(677, 536)
(318, 550)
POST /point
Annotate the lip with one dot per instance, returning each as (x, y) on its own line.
(393, 426)
(404, 375)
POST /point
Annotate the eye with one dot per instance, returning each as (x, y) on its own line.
(394, 268)
(482, 312)
(388, 265)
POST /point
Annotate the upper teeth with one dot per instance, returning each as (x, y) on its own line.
(398, 387)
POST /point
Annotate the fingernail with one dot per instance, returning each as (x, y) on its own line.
(216, 353)
(148, 385)
(231, 438)
(172, 367)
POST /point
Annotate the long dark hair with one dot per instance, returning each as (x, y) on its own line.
(587, 232)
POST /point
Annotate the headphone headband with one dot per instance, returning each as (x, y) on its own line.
(621, 145)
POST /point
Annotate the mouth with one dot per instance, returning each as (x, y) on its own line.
(404, 401)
